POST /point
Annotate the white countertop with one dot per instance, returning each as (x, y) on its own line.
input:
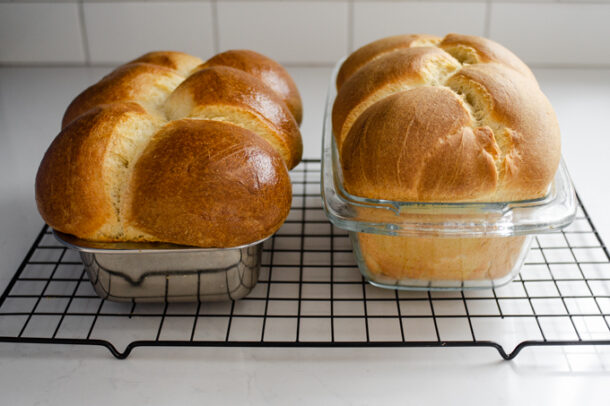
(32, 101)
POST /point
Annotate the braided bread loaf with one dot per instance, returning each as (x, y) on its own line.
(462, 120)
(420, 118)
(167, 148)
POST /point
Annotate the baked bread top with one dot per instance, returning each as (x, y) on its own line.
(168, 149)
(461, 120)
(267, 70)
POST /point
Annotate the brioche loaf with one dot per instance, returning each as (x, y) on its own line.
(453, 119)
(167, 148)
(267, 70)
(430, 258)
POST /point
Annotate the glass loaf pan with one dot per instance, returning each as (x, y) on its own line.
(143, 272)
(438, 246)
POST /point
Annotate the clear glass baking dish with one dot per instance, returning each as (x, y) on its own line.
(440, 246)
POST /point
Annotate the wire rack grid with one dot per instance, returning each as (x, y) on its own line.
(311, 294)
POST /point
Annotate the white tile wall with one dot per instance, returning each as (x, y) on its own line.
(118, 32)
(534, 1)
(373, 20)
(542, 32)
(571, 34)
(33, 33)
(292, 32)
(584, 1)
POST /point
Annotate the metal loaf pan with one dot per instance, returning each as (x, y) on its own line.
(153, 272)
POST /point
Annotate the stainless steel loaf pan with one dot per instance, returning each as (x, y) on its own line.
(146, 272)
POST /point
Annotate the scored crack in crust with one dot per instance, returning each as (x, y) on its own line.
(377, 49)
(166, 148)
(233, 80)
(396, 71)
(457, 119)
(226, 94)
(267, 70)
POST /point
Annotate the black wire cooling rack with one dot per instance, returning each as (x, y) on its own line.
(311, 294)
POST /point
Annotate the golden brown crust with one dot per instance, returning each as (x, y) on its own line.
(266, 70)
(453, 259)
(369, 52)
(182, 63)
(393, 72)
(71, 182)
(140, 82)
(525, 127)
(84, 183)
(224, 93)
(394, 151)
(472, 49)
(397, 115)
(484, 132)
(210, 184)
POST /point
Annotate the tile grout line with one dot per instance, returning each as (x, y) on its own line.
(350, 27)
(296, 1)
(83, 29)
(487, 22)
(215, 26)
